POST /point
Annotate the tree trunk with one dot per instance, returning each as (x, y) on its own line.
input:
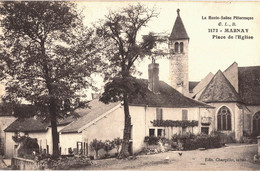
(127, 130)
(52, 107)
(55, 135)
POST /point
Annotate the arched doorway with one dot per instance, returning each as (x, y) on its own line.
(256, 124)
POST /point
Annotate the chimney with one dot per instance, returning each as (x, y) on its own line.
(153, 74)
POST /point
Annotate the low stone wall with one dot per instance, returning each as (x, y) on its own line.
(258, 142)
(23, 164)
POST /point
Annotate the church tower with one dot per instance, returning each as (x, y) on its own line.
(178, 47)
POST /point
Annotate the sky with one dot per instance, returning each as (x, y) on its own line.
(205, 53)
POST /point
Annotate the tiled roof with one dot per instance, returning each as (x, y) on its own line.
(197, 90)
(249, 84)
(96, 109)
(192, 84)
(27, 125)
(167, 97)
(178, 31)
(219, 89)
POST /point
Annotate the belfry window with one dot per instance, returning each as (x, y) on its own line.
(181, 47)
(176, 47)
(224, 119)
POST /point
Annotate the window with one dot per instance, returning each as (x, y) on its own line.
(160, 132)
(184, 115)
(159, 114)
(176, 47)
(181, 47)
(151, 132)
(224, 119)
(256, 123)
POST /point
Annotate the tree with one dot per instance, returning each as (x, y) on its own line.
(96, 145)
(117, 142)
(120, 31)
(47, 58)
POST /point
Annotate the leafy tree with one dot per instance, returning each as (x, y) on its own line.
(117, 142)
(47, 58)
(120, 31)
(96, 145)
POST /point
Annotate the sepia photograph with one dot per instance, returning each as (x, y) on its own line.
(129, 85)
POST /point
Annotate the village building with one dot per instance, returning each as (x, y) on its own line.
(6, 118)
(32, 127)
(161, 102)
(235, 94)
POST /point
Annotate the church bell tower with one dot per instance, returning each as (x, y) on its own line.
(178, 47)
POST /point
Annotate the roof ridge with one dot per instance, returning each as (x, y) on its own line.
(225, 81)
(230, 66)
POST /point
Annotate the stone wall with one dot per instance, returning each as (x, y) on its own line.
(23, 164)
(179, 68)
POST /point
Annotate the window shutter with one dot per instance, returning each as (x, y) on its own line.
(184, 115)
(159, 114)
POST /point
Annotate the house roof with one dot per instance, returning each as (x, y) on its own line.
(249, 84)
(197, 90)
(219, 89)
(192, 84)
(97, 108)
(167, 97)
(178, 31)
(27, 125)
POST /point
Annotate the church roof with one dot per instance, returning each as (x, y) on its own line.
(249, 84)
(219, 89)
(178, 31)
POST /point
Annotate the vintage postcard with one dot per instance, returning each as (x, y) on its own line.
(130, 85)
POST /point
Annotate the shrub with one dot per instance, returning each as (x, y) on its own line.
(108, 146)
(225, 138)
(191, 142)
(151, 140)
(65, 163)
(28, 146)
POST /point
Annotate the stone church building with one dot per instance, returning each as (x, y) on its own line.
(235, 92)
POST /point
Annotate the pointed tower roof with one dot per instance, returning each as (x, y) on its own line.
(219, 89)
(178, 31)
